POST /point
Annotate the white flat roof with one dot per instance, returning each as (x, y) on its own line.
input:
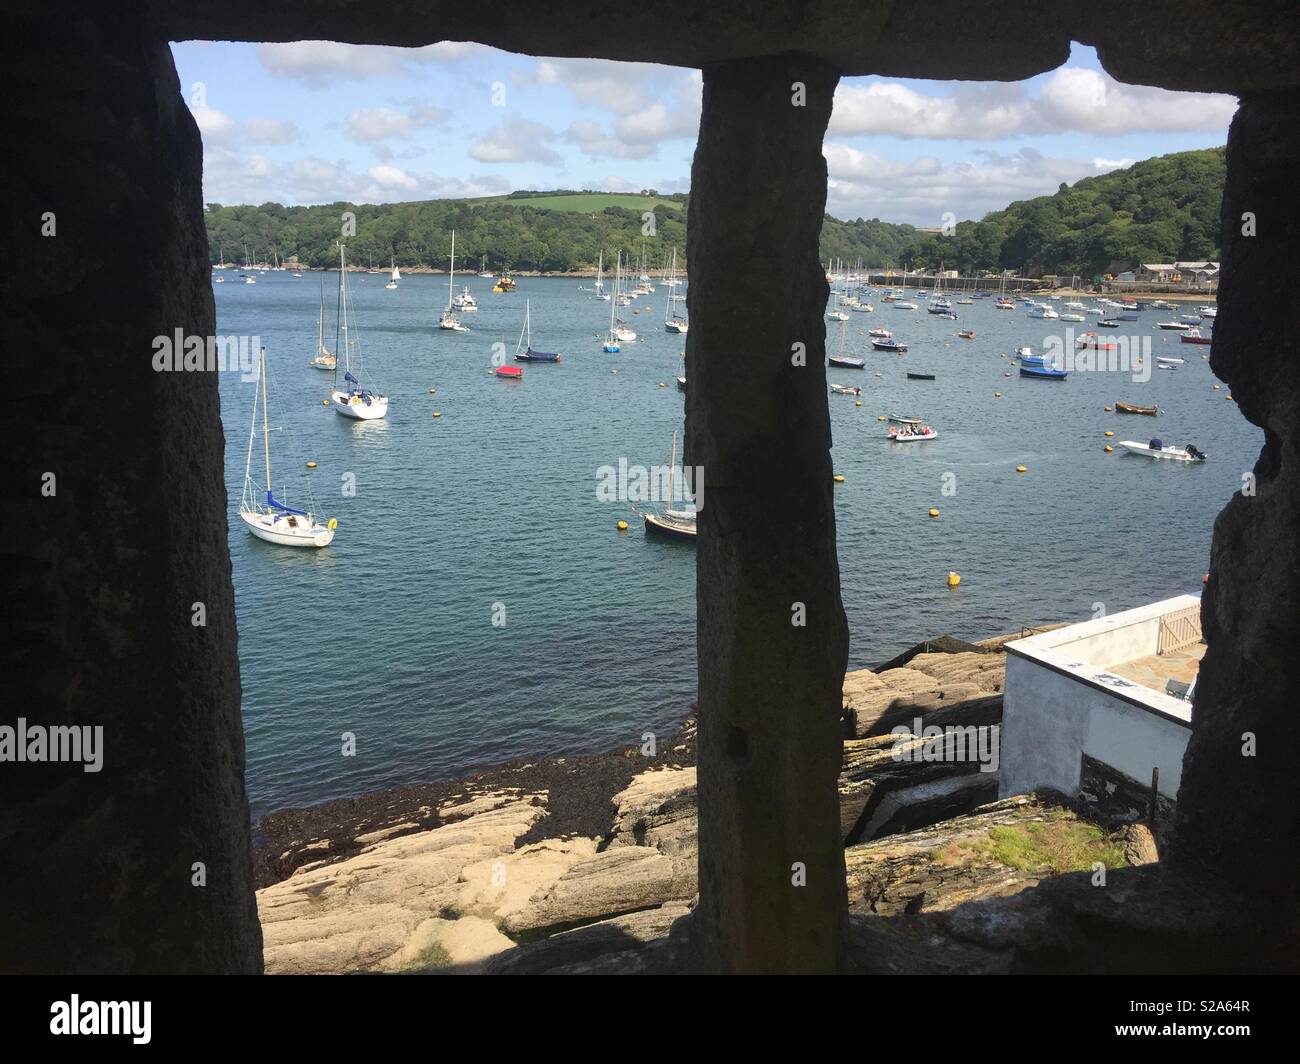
(1052, 650)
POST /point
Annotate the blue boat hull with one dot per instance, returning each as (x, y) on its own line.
(1042, 373)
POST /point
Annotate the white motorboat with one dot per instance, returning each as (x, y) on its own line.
(834, 315)
(1172, 325)
(1042, 310)
(905, 304)
(1157, 449)
(1169, 360)
(1208, 311)
(465, 301)
(272, 520)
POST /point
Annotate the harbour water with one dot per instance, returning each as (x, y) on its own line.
(490, 512)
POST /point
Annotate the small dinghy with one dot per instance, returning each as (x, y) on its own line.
(966, 335)
(920, 376)
(1181, 325)
(681, 384)
(1107, 323)
(1132, 408)
(846, 362)
(1157, 449)
(888, 345)
(1046, 373)
(845, 389)
(880, 334)
(1169, 360)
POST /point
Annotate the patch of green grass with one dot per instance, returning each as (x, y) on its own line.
(1057, 846)
(431, 958)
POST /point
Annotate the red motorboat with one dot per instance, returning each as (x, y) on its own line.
(510, 373)
(1193, 336)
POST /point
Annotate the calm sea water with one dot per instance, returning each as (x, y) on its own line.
(388, 633)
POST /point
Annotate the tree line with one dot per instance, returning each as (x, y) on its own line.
(1158, 210)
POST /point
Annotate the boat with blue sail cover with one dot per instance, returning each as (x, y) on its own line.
(272, 520)
(524, 349)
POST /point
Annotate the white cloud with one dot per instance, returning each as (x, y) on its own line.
(214, 125)
(392, 177)
(318, 64)
(270, 131)
(863, 184)
(515, 141)
(373, 124)
(1072, 99)
(637, 131)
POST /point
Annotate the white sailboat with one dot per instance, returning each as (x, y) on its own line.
(395, 276)
(325, 358)
(675, 524)
(611, 345)
(600, 283)
(619, 329)
(352, 399)
(449, 319)
(673, 321)
(271, 519)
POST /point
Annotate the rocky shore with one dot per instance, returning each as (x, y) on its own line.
(585, 864)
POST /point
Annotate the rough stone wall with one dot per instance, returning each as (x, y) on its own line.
(1161, 42)
(1239, 816)
(97, 867)
(758, 424)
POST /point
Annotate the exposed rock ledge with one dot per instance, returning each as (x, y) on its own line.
(509, 872)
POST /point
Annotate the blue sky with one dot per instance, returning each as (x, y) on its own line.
(314, 122)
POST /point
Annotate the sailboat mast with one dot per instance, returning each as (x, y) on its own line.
(341, 317)
(266, 432)
(451, 277)
(672, 461)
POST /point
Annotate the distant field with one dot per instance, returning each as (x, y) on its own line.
(586, 202)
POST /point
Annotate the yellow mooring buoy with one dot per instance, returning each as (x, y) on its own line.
(311, 465)
(437, 413)
(622, 526)
(954, 579)
(858, 402)
(1109, 433)
(839, 478)
(1109, 448)
(934, 512)
(1021, 469)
